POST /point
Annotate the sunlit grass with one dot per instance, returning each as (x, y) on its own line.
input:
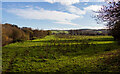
(59, 54)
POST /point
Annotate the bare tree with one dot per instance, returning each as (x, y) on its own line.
(111, 15)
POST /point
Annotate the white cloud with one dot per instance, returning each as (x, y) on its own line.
(69, 2)
(28, 6)
(58, 16)
(93, 8)
(64, 2)
(84, 27)
(85, 3)
(53, 1)
(91, 27)
(64, 28)
(65, 22)
(112, 0)
(99, 0)
(61, 1)
(41, 14)
(92, 0)
(75, 10)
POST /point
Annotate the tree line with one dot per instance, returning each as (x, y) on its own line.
(90, 32)
(12, 33)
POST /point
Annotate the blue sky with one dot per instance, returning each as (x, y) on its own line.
(52, 15)
(0, 12)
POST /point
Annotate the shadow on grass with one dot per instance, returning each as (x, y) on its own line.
(41, 53)
(76, 40)
(66, 50)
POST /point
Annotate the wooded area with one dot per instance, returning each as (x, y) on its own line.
(13, 33)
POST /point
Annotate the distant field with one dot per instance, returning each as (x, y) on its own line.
(63, 53)
(60, 32)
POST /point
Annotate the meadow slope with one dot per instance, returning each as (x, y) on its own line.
(63, 53)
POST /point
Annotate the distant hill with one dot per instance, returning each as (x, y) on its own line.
(83, 32)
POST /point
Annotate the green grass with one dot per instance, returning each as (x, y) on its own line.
(56, 32)
(63, 54)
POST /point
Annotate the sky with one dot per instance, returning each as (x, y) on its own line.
(52, 14)
(0, 12)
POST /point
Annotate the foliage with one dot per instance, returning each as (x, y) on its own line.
(116, 32)
(28, 32)
(111, 15)
(12, 33)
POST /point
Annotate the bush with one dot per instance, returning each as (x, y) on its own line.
(12, 33)
(6, 40)
(28, 32)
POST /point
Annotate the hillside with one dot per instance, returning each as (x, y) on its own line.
(57, 53)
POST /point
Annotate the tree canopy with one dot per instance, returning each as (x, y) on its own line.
(111, 15)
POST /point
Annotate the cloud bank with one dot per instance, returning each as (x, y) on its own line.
(58, 17)
(41, 14)
(53, 1)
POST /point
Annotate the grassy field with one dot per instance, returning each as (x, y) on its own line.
(63, 53)
(56, 32)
